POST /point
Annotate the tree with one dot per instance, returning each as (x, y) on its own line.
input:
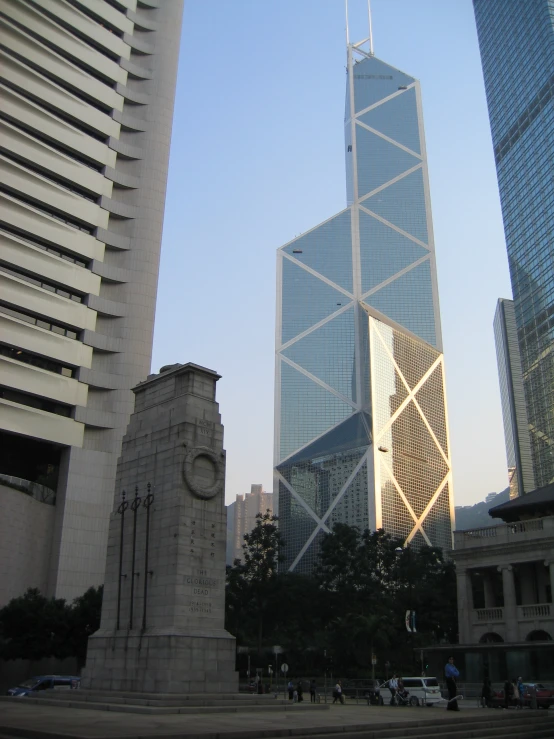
(254, 578)
(33, 627)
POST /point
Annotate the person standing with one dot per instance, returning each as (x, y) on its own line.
(290, 688)
(393, 687)
(313, 691)
(451, 673)
(508, 692)
(521, 691)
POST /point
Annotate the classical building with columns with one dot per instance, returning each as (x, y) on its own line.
(505, 580)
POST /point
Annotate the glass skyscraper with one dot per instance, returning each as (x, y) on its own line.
(514, 412)
(516, 39)
(361, 433)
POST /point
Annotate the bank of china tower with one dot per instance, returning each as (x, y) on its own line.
(361, 431)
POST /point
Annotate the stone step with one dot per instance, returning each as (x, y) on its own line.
(164, 710)
(162, 696)
(153, 699)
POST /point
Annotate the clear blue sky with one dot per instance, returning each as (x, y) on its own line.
(257, 158)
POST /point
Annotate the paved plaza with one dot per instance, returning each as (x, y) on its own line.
(46, 722)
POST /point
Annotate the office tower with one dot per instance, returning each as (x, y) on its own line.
(243, 513)
(87, 89)
(514, 413)
(361, 432)
(516, 40)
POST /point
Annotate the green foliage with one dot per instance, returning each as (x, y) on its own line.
(33, 627)
(352, 607)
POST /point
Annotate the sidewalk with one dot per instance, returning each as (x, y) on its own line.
(46, 722)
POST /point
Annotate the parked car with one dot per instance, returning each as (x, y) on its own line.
(365, 688)
(424, 691)
(45, 682)
(545, 696)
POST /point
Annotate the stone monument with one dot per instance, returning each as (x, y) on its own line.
(162, 627)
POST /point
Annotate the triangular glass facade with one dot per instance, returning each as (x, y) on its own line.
(361, 431)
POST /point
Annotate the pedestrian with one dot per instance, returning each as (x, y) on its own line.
(337, 693)
(521, 691)
(451, 673)
(393, 687)
(515, 692)
(508, 692)
(313, 691)
(486, 693)
(290, 688)
(300, 691)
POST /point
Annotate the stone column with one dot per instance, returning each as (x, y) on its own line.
(510, 605)
(465, 605)
(489, 591)
(550, 565)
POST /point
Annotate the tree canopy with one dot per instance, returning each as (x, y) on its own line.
(353, 605)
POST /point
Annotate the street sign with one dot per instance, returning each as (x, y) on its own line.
(373, 659)
(277, 650)
(284, 668)
(270, 670)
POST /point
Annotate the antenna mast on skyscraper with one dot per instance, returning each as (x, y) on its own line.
(369, 39)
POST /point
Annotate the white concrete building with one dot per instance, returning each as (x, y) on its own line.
(87, 90)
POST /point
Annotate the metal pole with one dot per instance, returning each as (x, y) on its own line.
(134, 507)
(121, 510)
(147, 503)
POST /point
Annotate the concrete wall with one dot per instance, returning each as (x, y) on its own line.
(26, 527)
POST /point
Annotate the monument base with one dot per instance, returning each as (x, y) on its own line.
(161, 663)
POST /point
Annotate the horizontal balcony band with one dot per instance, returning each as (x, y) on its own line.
(37, 340)
(39, 154)
(69, 16)
(113, 240)
(23, 254)
(27, 421)
(129, 122)
(535, 612)
(122, 180)
(103, 380)
(95, 418)
(138, 45)
(110, 273)
(142, 23)
(36, 381)
(41, 303)
(107, 307)
(118, 209)
(136, 70)
(127, 151)
(488, 615)
(152, 4)
(133, 96)
(110, 15)
(101, 342)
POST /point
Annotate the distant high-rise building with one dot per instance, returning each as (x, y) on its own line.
(514, 412)
(361, 433)
(516, 39)
(241, 518)
(87, 90)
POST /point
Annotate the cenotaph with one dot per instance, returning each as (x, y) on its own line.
(162, 627)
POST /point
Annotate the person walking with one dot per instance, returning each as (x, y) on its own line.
(451, 673)
(337, 693)
(313, 691)
(486, 693)
(300, 691)
(290, 688)
(393, 687)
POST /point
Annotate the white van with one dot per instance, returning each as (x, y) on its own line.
(422, 691)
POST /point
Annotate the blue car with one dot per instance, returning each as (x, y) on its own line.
(45, 682)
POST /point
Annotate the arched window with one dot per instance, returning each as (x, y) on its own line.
(538, 635)
(491, 637)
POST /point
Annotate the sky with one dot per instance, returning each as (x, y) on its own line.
(257, 158)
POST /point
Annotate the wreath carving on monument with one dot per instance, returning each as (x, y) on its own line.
(196, 486)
